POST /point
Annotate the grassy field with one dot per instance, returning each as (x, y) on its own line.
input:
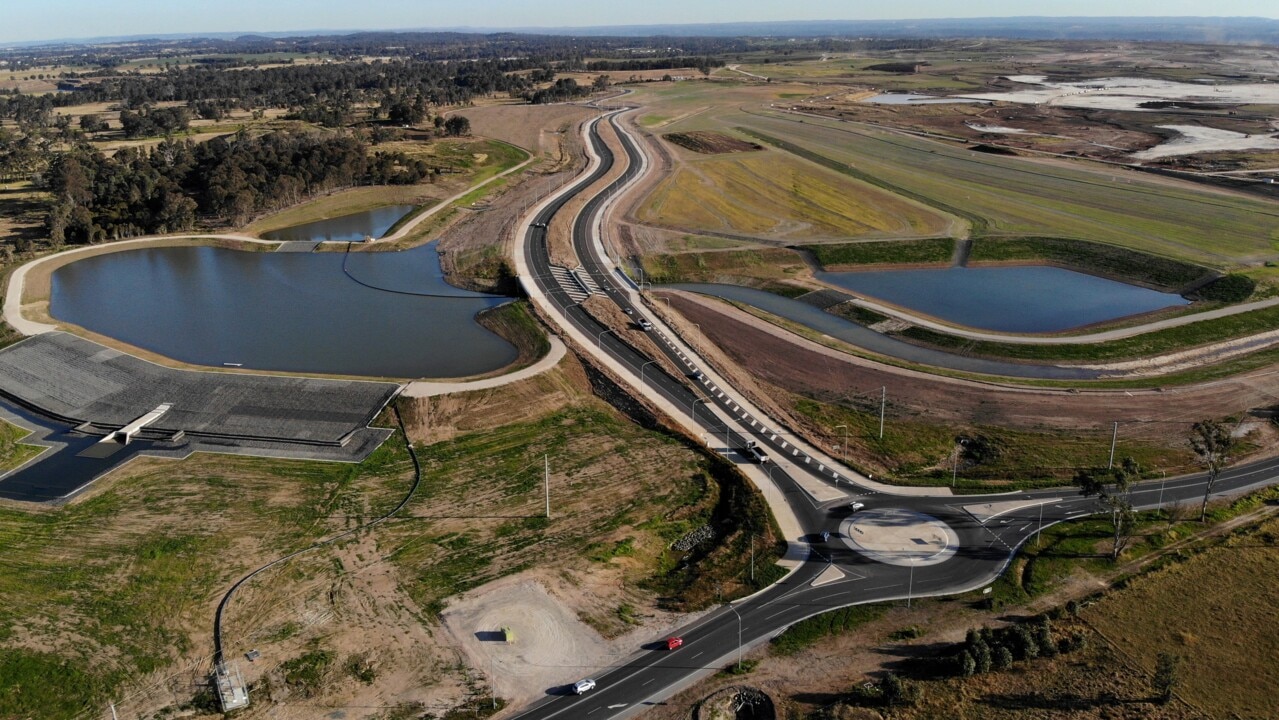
(472, 161)
(121, 584)
(756, 267)
(118, 588)
(1214, 610)
(482, 512)
(915, 451)
(1012, 196)
(12, 452)
(773, 194)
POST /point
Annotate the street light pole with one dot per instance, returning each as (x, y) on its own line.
(650, 362)
(599, 339)
(910, 587)
(883, 401)
(739, 635)
(692, 407)
(954, 465)
(1040, 533)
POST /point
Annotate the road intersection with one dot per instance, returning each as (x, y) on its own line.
(903, 543)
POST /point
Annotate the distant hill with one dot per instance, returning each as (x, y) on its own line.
(1169, 29)
(1151, 29)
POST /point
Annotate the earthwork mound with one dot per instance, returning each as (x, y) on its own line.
(711, 143)
(737, 703)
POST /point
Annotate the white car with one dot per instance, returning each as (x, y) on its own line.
(583, 686)
(856, 506)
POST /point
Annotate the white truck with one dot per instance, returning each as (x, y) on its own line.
(754, 452)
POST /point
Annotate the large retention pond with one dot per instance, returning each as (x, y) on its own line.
(387, 314)
(1018, 299)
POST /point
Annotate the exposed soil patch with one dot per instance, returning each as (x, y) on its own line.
(711, 143)
(552, 646)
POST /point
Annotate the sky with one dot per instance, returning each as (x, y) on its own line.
(25, 20)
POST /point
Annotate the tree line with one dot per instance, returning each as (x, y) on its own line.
(229, 179)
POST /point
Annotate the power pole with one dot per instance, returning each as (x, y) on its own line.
(113, 715)
(1114, 435)
(883, 400)
(546, 482)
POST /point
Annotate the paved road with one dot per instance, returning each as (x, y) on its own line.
(987, 530)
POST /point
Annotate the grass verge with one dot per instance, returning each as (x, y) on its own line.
(890, 252)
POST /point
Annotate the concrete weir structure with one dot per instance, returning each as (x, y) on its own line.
(76, 380)
(83, 389)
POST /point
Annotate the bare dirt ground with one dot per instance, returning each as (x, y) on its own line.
(545, 130)
(711, 143)
(552, 646)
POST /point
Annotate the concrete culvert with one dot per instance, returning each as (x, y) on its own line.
(736, 703)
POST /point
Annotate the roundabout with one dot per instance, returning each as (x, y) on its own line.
(898, 536)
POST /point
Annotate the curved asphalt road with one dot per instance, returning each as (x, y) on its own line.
(986, 544)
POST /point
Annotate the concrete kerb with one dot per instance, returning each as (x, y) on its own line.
(422, 388)
(17, 279)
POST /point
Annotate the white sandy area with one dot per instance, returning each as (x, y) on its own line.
(552, 647)
(1197, 139)
(1129, 93)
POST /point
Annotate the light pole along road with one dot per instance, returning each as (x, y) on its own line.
(895, 547)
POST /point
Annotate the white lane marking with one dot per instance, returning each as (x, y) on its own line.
(696, 656)
(647, 682)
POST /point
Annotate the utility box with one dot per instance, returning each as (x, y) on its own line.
(508, 635)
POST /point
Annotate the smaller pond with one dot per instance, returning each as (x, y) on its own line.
(1019, 299)
(346, 228)
(914, 99)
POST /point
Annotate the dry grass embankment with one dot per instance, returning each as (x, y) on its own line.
(1216, 611)
(775, 195)
(1016, 196)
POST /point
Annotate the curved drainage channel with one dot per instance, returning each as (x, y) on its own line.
(865, 338)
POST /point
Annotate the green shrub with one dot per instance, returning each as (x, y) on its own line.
(1231, 288)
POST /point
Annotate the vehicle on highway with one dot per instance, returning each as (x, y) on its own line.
(583, 686)
(754, 452)
(856, 506)
(674, 642)
(628, 311)
(644, 325)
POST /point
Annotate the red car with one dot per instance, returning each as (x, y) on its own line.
(672, 643)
